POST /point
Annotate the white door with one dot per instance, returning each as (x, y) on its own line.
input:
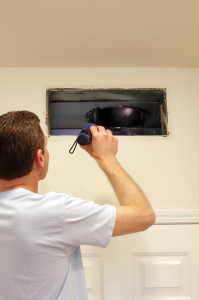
(161, 263)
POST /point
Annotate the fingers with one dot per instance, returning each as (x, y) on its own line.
(109, 132)
(93, 129)
(101, 129)
(96, 129)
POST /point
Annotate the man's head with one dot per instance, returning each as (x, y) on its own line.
(20, 138)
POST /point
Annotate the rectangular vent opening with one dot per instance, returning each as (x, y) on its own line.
(124, 111)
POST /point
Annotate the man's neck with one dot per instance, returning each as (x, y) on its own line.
(28, 182)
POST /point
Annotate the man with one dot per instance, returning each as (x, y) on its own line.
(40, 235)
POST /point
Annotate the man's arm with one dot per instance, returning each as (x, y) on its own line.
(134, 213)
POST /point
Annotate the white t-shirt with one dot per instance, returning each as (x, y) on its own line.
(40, 236)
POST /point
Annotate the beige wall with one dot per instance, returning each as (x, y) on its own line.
(166, 168)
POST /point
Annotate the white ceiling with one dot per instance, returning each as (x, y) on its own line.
(99, 33)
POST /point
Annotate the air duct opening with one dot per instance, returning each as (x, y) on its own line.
(124, 111)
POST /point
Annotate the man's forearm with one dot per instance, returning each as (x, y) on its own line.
(134, 213)
(134, 205)
(127, 191)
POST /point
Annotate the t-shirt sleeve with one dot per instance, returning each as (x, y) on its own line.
(87, 223)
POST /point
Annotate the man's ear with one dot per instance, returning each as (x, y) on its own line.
(39, 158)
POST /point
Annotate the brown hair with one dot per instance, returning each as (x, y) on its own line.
(20, 138)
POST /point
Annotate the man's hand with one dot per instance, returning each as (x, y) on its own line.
(103, 145)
